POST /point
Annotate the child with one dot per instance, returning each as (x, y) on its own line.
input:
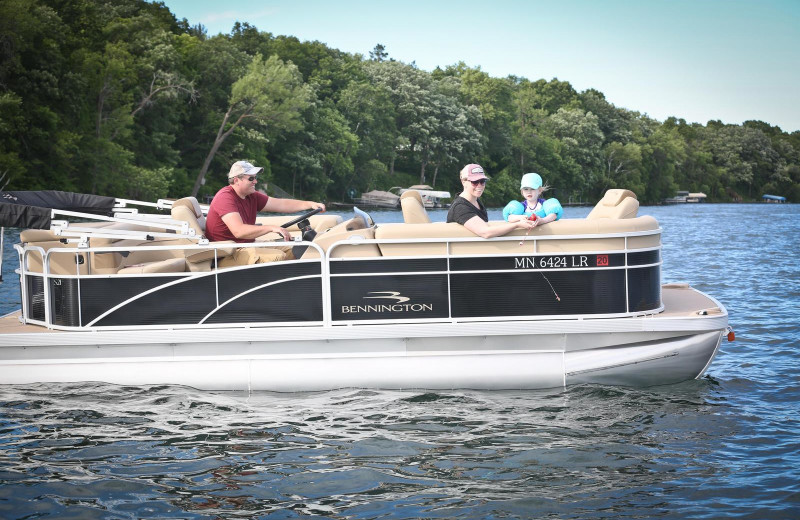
(545, 211)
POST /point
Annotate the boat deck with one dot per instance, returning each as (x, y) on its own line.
(680, 300)
(10, 324)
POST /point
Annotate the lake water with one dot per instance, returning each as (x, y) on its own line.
(725, 446)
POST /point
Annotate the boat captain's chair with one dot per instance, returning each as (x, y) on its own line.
(188, 210)
(413, 208)
(616, 203)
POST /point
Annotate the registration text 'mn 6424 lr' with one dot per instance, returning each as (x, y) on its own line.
(560, 261)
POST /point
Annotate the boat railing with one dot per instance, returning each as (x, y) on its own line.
(545, 254)
(103, 226)
(509, 238)
(524, 251)
(43, 281)
(130, 205)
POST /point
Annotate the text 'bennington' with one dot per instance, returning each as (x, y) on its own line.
(397, 307)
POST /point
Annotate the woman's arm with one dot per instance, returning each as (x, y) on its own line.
(482, 229)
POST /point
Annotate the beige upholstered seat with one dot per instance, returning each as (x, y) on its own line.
(413, 208)
(351, 231)
(170, 265)
(616, 203)
(188, 210)
(72, 263)
(252, 255)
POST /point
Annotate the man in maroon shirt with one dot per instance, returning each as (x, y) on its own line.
(232, 213)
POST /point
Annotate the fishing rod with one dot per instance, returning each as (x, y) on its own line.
(534, 218)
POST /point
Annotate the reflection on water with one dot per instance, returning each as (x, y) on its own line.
(723, 446)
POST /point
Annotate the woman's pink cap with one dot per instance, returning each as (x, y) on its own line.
(473, 172)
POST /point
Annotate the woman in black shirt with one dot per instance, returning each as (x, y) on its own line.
(468, 210)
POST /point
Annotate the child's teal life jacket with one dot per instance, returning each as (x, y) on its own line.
(544, 208)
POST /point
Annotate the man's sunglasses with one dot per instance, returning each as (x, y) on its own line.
(251, 178)
(479, 181)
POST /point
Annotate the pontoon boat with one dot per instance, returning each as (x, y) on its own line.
(112, 293)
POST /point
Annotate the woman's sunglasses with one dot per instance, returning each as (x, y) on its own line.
(479, 181)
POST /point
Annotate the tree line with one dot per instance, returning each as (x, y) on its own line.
(120, 98)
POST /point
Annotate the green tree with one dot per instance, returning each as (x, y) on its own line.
(552, 95)
(434, 126)
(494, 98)
(271, 94)
(378, 53)
(372, 119)
(11, 121)
(623, 164)
(35, 134)
(615, 123)
(527, 126)
(450, 131)
(213, 65)
(337, 147)
(581, 140)
(409, 90)
(662, 152)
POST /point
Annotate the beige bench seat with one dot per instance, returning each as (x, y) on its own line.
(565, 227)
(615, 204)
(171, 265)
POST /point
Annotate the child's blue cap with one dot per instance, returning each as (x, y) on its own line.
(531, 180)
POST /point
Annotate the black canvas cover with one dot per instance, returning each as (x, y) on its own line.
(31, 209)
(29, 217)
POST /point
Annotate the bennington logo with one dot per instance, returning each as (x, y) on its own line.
(399, 304)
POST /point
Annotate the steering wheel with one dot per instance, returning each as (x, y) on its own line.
(301, 218)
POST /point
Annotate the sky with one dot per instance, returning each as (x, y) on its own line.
(700, 60)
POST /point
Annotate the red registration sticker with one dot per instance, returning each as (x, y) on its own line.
(602, 260)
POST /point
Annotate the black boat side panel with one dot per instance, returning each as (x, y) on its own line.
(290, 301)
(537, 293)
(644, 288)
(235, 281)
(259, 293)
(183, 303)
(394, 296)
